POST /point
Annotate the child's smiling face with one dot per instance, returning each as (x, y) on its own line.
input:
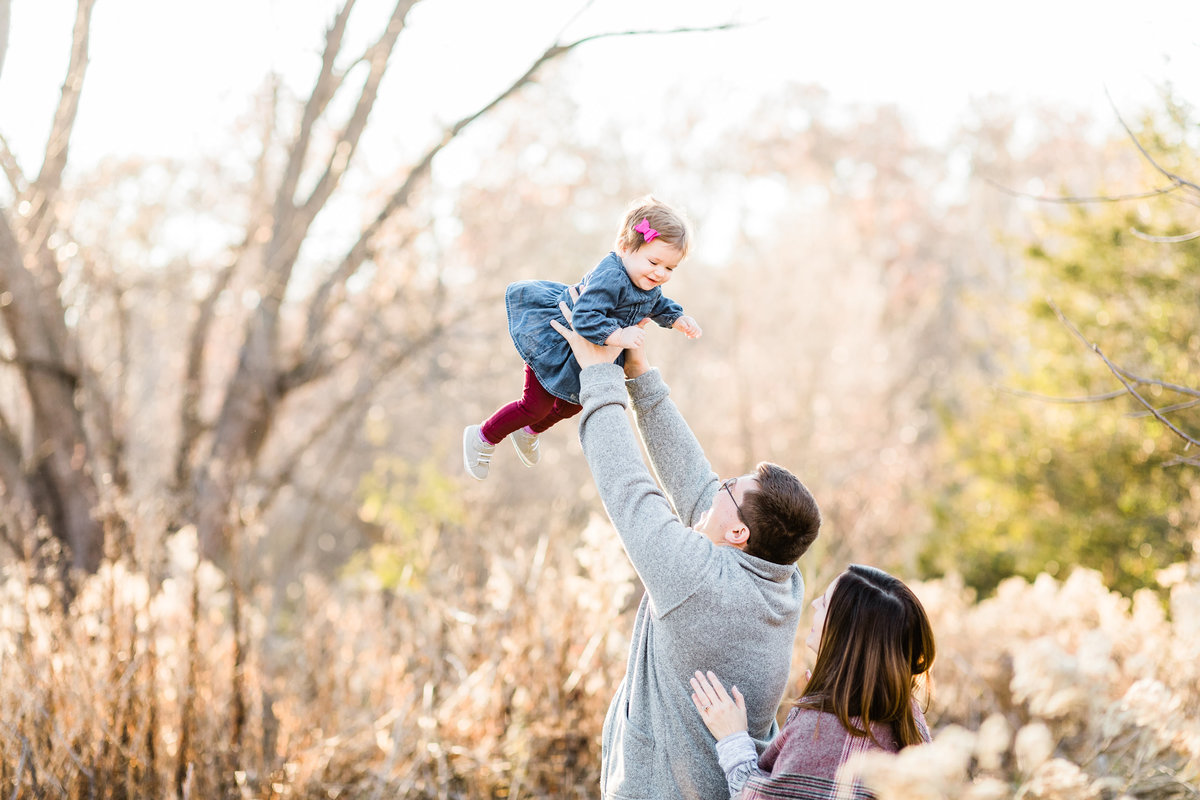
(651, 264)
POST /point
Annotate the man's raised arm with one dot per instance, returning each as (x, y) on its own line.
(668, 556)
(676, 455)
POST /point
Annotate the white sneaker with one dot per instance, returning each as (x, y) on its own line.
(477, 454)
(527, 447)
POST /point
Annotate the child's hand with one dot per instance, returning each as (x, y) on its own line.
(628, 338)
(586, 353)
(688, 326)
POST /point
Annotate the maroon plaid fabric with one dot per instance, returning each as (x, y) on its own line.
(802, 762)
(801, 787)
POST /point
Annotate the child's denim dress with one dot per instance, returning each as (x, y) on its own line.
(608, 300)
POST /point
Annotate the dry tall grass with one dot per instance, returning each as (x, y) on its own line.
(1058, 690)
(182, 687)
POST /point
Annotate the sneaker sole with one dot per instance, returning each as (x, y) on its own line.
(521, 455)
(467, 464)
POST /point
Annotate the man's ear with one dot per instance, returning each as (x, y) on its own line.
(737, 537)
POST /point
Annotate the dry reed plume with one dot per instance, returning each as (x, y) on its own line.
(1058, 691)
(184, 687)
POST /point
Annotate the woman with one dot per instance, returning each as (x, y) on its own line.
(872, 639)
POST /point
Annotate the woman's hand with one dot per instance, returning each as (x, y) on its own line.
(722, 714)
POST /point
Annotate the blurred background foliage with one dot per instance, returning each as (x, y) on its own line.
(1053, 465)
(298, 590)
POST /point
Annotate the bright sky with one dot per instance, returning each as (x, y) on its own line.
(168, 78)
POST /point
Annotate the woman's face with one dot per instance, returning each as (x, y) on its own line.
(820, 605)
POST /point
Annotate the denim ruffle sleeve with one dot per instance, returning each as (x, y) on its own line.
(592, 316)
(665, 311)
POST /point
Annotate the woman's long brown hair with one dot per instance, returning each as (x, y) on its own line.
(876, 640)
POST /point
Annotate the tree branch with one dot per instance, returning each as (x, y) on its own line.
(377, 56)
(1095, 398)
(1100, 398)
(192, 427)
(50, 177)
(55, 368)
(318, 310)
(1187, 237)
(11, 467)
(1173, 387)
(286, 236)
(17, 520)
(1171, 176)
(582, 10)
(314, 346)
(1117, 198)
(1121, 376)
(322, 93)
(366, 386)
(1190, 461)
(1186, 404)
(291, 222)
(5, 17)
(12, 169)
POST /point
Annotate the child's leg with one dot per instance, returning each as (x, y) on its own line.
(559, 411)
(534, 404)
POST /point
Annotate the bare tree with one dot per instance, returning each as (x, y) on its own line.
(62, 465)
(56, 472)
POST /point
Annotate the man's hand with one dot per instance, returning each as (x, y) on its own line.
(636, 363)
(585, 352)
(688, 327)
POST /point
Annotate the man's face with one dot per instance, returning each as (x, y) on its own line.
(722, 516)
(651, 264)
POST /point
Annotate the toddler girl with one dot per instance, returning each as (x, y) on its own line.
(619, 292)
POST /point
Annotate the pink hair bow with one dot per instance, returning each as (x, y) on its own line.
(645, 230)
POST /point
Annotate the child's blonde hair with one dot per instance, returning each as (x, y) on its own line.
(671, 225)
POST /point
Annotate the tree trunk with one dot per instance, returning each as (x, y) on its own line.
(57, 468)
(5, 6)
(241, 429)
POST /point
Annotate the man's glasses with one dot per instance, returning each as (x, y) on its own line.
(728, 486)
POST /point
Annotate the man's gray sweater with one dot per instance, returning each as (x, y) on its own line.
(706, 607)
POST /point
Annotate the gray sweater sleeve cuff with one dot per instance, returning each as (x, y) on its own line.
(601, 384)
(739, 759)
(647, 388)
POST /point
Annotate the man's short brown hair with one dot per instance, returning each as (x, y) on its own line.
(782, 516)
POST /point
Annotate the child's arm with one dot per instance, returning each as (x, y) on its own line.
(591, 309)
(629, 338)
(669, 314)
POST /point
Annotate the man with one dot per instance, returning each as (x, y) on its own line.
(722, 589)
